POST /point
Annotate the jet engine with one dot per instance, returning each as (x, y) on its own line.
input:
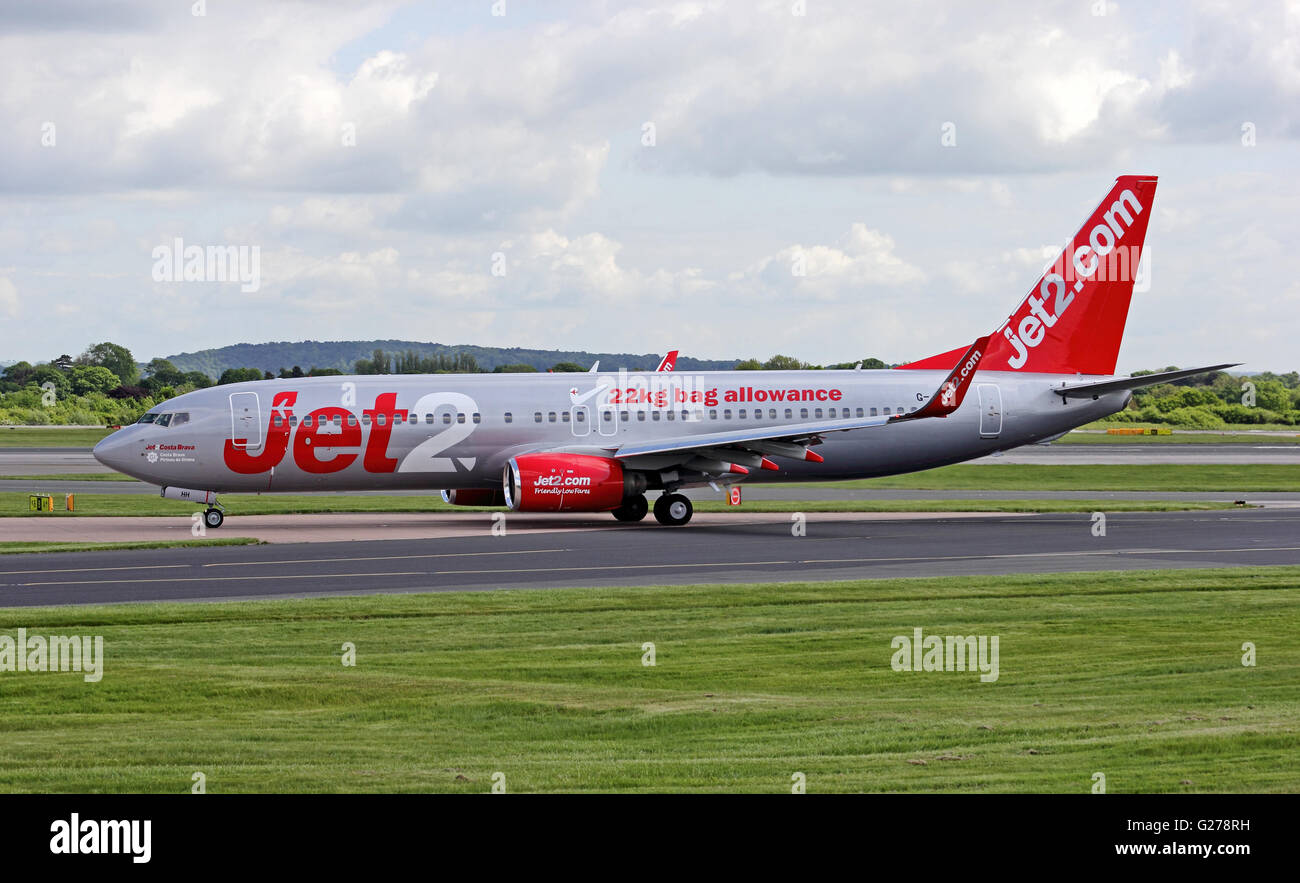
(568, 483)
(474, 496)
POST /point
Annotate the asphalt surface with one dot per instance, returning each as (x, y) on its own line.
(634, 555)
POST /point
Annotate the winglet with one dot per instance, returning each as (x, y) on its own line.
(948, 397)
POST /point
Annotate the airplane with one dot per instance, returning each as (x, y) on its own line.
(539, 443)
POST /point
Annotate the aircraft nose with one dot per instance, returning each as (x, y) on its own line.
(111, 451)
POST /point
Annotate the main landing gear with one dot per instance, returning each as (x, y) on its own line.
(634, 508)
(673, 510)
(213, 517)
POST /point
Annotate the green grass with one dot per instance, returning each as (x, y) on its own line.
(50, 437)
(1178, 437)
(70, 476)
(964, 506)
(1090, 477)
(1135, 674)
(15, 548)
(1227, 427)
(88, 505)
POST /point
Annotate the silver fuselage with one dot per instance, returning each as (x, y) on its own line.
(455, 433)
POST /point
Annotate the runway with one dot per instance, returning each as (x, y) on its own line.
(721, 549)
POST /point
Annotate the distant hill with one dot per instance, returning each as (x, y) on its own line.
(343, 355)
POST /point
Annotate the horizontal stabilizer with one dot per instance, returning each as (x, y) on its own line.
(1088, 390)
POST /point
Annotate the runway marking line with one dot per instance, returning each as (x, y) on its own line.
(272, 563)
(661, 566)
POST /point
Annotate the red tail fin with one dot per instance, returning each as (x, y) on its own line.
(1072, 321)
(669, 362)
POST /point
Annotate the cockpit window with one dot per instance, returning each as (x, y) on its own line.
(147, 418)
(163, 420)
(180, 418)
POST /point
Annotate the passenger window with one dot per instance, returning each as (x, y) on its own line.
(428, 419)
(579, 416)
(654, 415)
(743, 413)
(276, 420)
(873, 412)
(818, 413)
(477, 418)
(293, 420)
(537, 416)
(564, 416)
(550, 416)
(803, 413)
(446, 419)
(640, 415)
(713, 413)
(859, 412)
(352, 420)
(788, 413)
(379, 419)
(397, 418)
(672, 415)
(338, 420)
(771, 413)
(460, 418)
(726, 413)
(830, 413)
(886, 410)
(509, 417)
(758, 413)
(623, 415)
(307, 421)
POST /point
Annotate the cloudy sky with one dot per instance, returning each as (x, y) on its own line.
(641, 176)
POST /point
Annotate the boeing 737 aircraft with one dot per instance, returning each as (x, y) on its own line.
(600, 441)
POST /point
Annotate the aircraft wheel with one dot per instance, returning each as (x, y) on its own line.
(213, 518)
(633, 509)
(673, 510)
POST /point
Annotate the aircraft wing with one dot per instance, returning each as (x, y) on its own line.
(794, 441)
(1088, 390)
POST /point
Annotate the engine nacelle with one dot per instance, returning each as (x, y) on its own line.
(475, 496)
(568, 483)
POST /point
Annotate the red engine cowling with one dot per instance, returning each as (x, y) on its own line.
(474, 496)
(565, 483)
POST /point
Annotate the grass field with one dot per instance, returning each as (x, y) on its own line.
(90, 505)
(1180, 438)
(1229, 478)
(1137, 675)
(70, 476)
(50, 437)
(17, 548)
